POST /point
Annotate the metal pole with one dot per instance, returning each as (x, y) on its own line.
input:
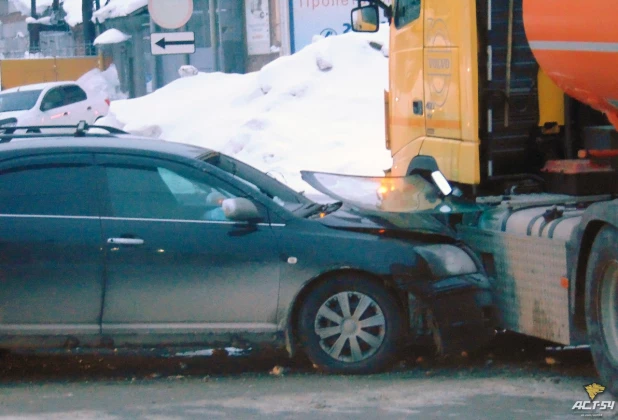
(89, 30)
(34, 29)
(284, 22)
(157, 76)
(214, 32)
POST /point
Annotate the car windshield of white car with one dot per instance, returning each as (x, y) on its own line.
(19, 101)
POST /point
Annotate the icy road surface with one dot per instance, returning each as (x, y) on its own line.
(508, 382)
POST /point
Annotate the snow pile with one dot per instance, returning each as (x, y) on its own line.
(320, 109)
(73, 8)
(111, 36)
(103, 81)
(188, 71)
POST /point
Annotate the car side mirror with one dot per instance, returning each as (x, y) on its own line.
(240, 210)
(441, 182)
(365, 18)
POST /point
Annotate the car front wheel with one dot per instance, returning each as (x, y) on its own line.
(351, 325)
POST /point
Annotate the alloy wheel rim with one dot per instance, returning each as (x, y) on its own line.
(351, 327)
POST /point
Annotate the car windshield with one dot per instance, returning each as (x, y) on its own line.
(411, 194)
(19, 101)
(259, 181)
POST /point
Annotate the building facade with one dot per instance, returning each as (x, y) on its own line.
(231, 36)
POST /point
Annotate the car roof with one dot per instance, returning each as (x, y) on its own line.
(99, 143)
(37, 86)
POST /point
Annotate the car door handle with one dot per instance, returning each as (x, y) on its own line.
(125, 241)
(242, 229)
(89, 108)
(66, 113)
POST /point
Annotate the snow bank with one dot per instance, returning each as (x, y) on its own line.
(321, 109)
(103, 81)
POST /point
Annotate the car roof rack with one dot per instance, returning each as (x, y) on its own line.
(9, 133)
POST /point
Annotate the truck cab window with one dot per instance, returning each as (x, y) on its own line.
(406, 11)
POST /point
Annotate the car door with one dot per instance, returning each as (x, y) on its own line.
(51, 261)
(174, 262)
(54, 109)
(78, 106)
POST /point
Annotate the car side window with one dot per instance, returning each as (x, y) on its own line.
(155, 192)
(406, 11)
(54, 98)
(54, 190)
(73, 94)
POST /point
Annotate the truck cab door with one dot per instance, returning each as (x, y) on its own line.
(406, 105)
(451, 88)
(441, 57)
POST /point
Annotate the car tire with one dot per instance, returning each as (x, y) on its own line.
(352, 325)
(602, 306)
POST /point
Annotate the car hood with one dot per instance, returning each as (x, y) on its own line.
(407, 203)
(354, 219)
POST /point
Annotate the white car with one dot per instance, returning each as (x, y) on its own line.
(55, 103)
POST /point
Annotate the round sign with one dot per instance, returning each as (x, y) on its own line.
(170, 14)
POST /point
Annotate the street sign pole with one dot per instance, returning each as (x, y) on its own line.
(214, 33)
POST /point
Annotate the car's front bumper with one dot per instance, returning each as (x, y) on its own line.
(458, 311)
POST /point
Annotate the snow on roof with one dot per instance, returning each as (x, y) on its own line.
(23, 6)
(73, 8)
(320, 109)
(113, 9)
(111, 36)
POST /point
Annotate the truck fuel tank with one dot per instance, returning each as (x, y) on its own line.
(576, 44)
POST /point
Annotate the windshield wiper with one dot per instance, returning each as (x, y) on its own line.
(315, 208)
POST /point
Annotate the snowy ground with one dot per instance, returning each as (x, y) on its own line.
(320, 109)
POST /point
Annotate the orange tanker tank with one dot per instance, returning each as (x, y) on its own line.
(576, 44)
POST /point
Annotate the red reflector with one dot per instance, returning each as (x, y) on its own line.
(108, 102)
(564, 282)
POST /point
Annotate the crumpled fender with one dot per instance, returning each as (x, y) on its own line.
(456, 292)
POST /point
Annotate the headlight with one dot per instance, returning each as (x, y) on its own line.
(9, 125)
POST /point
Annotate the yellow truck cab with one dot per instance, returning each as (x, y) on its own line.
(467, 91)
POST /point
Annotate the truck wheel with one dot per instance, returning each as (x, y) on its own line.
(351, 325)
(602, 306)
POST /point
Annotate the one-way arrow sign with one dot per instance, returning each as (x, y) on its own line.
(172, 43)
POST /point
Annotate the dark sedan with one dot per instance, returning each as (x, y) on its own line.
(111, 240)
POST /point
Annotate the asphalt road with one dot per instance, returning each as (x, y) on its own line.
(509, 381)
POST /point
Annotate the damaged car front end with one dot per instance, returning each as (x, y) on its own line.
(446, 289)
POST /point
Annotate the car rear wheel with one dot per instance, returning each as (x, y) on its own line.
(351, 325)
(602, 306)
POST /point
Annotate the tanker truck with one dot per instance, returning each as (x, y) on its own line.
(516, 103)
